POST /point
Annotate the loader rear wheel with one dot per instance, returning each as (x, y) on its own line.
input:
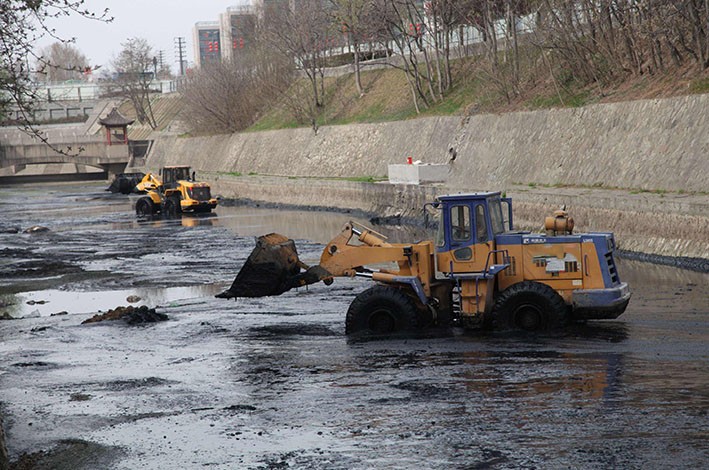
(144, 207)
(381, 309)
(530, 306)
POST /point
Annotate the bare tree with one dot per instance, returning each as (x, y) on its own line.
(229, 96)
(405, 24)
(354, 16)
(22, 24)
(606, 40)
(303, 33)
(68, 63)
(443, 19)
(134, 76)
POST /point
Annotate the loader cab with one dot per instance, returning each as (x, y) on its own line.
(172, 174)
(468, 225)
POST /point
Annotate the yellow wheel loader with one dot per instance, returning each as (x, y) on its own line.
(477, 272)
(173, 192)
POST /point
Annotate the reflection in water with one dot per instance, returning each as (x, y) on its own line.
(611, 331)
(158, 221)
(50, 302)
(536, 376)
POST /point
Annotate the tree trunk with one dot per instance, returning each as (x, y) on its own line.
(358, 76)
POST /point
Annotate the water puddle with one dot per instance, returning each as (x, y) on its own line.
(52, 302)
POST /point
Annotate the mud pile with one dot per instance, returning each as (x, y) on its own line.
(131, 315)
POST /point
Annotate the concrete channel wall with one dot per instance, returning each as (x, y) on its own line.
(645, 147)
(648, 145)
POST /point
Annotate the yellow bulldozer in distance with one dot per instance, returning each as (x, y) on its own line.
(477, 272)
(172, 192)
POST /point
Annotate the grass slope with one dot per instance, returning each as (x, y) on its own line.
(387, 96)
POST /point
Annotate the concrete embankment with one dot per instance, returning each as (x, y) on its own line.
(656, 149)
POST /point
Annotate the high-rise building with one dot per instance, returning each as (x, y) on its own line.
(206, 42)
(238, 28)
(235, 30)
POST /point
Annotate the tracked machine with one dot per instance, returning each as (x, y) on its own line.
(478, 272)
(174, 191)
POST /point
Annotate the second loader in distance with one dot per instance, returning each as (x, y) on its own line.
(172, 192)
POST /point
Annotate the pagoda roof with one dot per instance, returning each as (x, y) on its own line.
(116, 119)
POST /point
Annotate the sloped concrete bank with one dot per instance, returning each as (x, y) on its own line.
(650, 147)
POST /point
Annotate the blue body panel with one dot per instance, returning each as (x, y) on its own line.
(602, 241)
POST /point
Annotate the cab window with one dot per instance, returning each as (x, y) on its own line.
(497, 221)
(440, 231)
(460, 223)
(480, 224)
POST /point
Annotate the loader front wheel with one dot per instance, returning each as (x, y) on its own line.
(144, 207)
(381, 309)
(172, 207)
(530, 306)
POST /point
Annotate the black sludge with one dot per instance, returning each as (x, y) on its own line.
(124, 183)
(272, 268)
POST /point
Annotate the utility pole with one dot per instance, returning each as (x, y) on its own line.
(180, 46)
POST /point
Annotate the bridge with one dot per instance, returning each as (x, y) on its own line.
(100, 143)
(89, 150)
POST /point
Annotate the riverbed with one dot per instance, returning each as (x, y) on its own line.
(275, 383)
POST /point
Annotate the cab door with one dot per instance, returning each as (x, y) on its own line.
(465, 237)
(483, 236)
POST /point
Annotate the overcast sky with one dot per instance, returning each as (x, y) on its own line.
(158, 21)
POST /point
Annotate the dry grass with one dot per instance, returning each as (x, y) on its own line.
(387, 96)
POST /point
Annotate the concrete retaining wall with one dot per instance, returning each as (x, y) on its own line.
(650, 144)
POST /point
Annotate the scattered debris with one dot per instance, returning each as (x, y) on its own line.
(131, 299)
(79, 397)
(10, 229)
(36, 302)
(131, 315)
(36, 229)
(6, 316)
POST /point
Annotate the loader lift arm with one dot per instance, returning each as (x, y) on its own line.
(273, 267)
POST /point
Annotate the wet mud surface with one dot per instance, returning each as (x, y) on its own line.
(274, 383)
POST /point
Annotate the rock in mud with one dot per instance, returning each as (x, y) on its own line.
(36, 229)
(10, 229)
(131, 299)
(131, 315)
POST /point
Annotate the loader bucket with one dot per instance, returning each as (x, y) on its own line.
(272, 268)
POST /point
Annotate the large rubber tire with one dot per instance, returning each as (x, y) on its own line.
(144, 207)
(171, 207)
(530, 306)
(381, 309)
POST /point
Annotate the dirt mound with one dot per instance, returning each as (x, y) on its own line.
(131, 315)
